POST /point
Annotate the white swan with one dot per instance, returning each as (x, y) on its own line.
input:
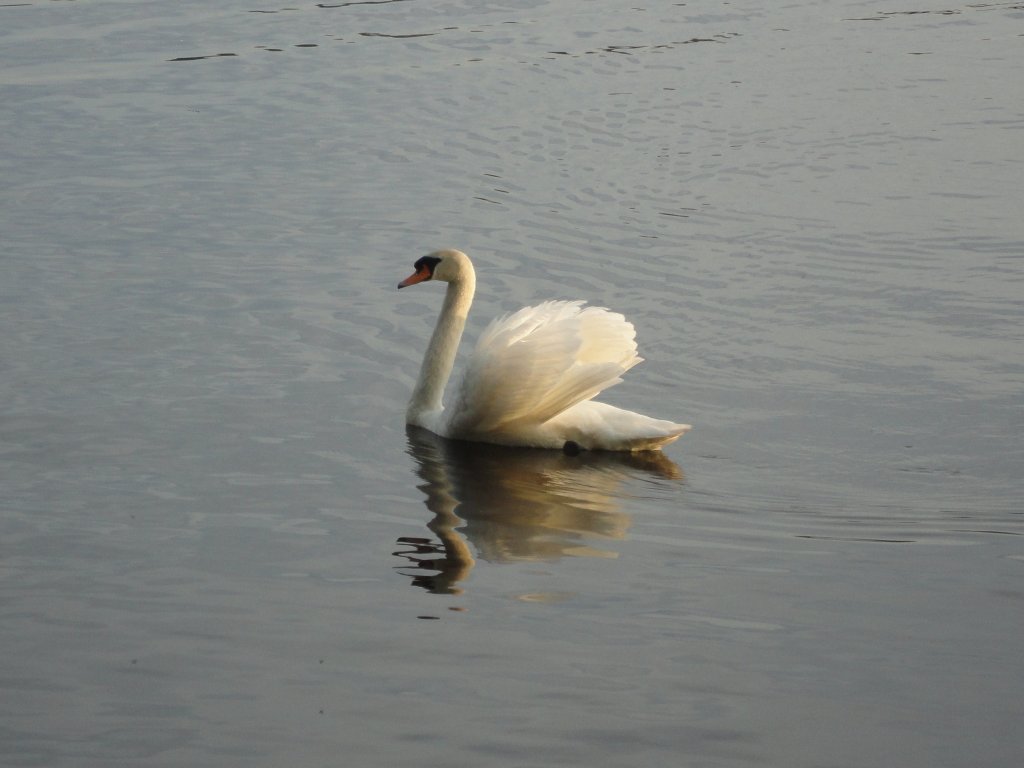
(532, 375)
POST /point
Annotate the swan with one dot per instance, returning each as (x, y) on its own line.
(530, 380)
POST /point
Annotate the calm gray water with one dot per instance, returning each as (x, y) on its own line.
(220, 546)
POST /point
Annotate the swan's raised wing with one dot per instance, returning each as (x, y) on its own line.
(530, 366)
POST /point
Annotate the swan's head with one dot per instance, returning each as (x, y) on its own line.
(449, 266)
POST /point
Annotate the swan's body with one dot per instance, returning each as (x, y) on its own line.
(532, 375)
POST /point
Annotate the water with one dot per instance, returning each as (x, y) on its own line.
(215, 526)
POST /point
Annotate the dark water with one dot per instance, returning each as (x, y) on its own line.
(219, 545)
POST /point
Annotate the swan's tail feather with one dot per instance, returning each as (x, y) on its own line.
(653, 443)
(600, 426)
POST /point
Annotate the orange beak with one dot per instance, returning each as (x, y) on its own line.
(416, 277)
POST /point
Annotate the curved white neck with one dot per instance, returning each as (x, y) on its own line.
(444, 344)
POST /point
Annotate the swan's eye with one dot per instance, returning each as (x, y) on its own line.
(428, 264)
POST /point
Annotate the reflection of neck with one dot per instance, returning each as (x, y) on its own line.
(458, 561)
(444, 344)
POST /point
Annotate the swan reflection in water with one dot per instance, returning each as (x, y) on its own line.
(515, 505)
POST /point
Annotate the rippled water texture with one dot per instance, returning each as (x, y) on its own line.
(219, 544)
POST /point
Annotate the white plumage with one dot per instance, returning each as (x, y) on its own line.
(531, 377)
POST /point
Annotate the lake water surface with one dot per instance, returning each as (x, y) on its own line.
(220, 546)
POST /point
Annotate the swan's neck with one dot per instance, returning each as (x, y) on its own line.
(444, 344)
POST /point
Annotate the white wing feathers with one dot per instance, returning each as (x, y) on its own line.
(532, 365)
